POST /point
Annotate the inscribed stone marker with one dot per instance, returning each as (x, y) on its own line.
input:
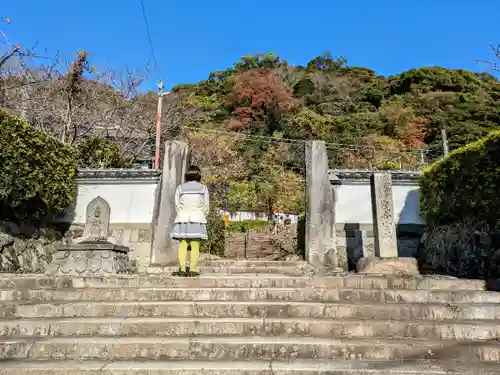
(383, 216)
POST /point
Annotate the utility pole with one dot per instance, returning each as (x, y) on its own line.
(158, 125)
(444, 139)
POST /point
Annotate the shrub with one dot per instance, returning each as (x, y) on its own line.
(216, 228)
(459, 197)
(97, 152)
(464, 184)
(36, 171)
(247, 225)
(388, 166)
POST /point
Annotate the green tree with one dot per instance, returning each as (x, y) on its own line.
(243, 195)
(97, 152)
(36, 171)
(327, 63)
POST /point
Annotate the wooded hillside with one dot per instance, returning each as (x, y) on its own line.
(247, 124)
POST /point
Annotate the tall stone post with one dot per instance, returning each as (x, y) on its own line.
(320, 241)
(386, 260)
(384, 228)
(175, 164)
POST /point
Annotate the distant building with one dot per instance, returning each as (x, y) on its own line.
(244, 215)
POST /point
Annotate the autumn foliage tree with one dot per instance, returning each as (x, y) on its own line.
(259, 96)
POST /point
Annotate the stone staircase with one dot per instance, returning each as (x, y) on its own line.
(250, 317)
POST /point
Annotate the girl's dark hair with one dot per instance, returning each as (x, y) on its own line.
(193, 174)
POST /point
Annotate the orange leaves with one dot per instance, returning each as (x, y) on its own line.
(402, 123)
(259, 95)
(414, 132)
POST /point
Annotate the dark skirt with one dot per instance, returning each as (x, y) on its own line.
(186, 231)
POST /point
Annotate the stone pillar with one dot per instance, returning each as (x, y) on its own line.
(384, 228)
(320, 242)
(386, 260)
(175, 164)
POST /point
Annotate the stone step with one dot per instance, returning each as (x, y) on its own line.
(351, 281)
(251, 309)
(282, 327)
(237, 266)
(247, 263)
(245, 348)
(254, 367)
(247, 271)
(250, 294)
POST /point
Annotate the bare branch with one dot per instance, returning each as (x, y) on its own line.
(494, 64)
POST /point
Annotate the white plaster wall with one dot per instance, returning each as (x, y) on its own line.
(354, 203)
(131, 201)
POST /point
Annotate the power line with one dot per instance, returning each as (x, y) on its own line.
(148, 32)
(244, 135)
(268, 139)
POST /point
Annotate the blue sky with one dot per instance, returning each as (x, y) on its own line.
(193, 38)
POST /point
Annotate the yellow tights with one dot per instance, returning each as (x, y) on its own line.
(195, 253)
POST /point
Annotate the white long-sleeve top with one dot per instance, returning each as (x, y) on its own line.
(192, 202)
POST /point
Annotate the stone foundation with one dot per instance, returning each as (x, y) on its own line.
(387, 266)
(90, 259)
(136, 236)
(358, 240)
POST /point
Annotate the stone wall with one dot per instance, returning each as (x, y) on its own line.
(25, 248)
(130, 194)
(255, 245)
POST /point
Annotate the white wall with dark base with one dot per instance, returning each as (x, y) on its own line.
(353, 212)
(130, 194)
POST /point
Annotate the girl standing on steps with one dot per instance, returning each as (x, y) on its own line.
(192, 203)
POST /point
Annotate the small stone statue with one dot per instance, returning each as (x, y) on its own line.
(97, 222)
(95, 253)
(97, 230)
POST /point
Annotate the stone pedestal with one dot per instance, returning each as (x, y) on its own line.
(94, 254)
(388, 266)
(90, 259)
(386, 244)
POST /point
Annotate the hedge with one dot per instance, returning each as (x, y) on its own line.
(36, 171)
(465, 184)
(460, 197)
